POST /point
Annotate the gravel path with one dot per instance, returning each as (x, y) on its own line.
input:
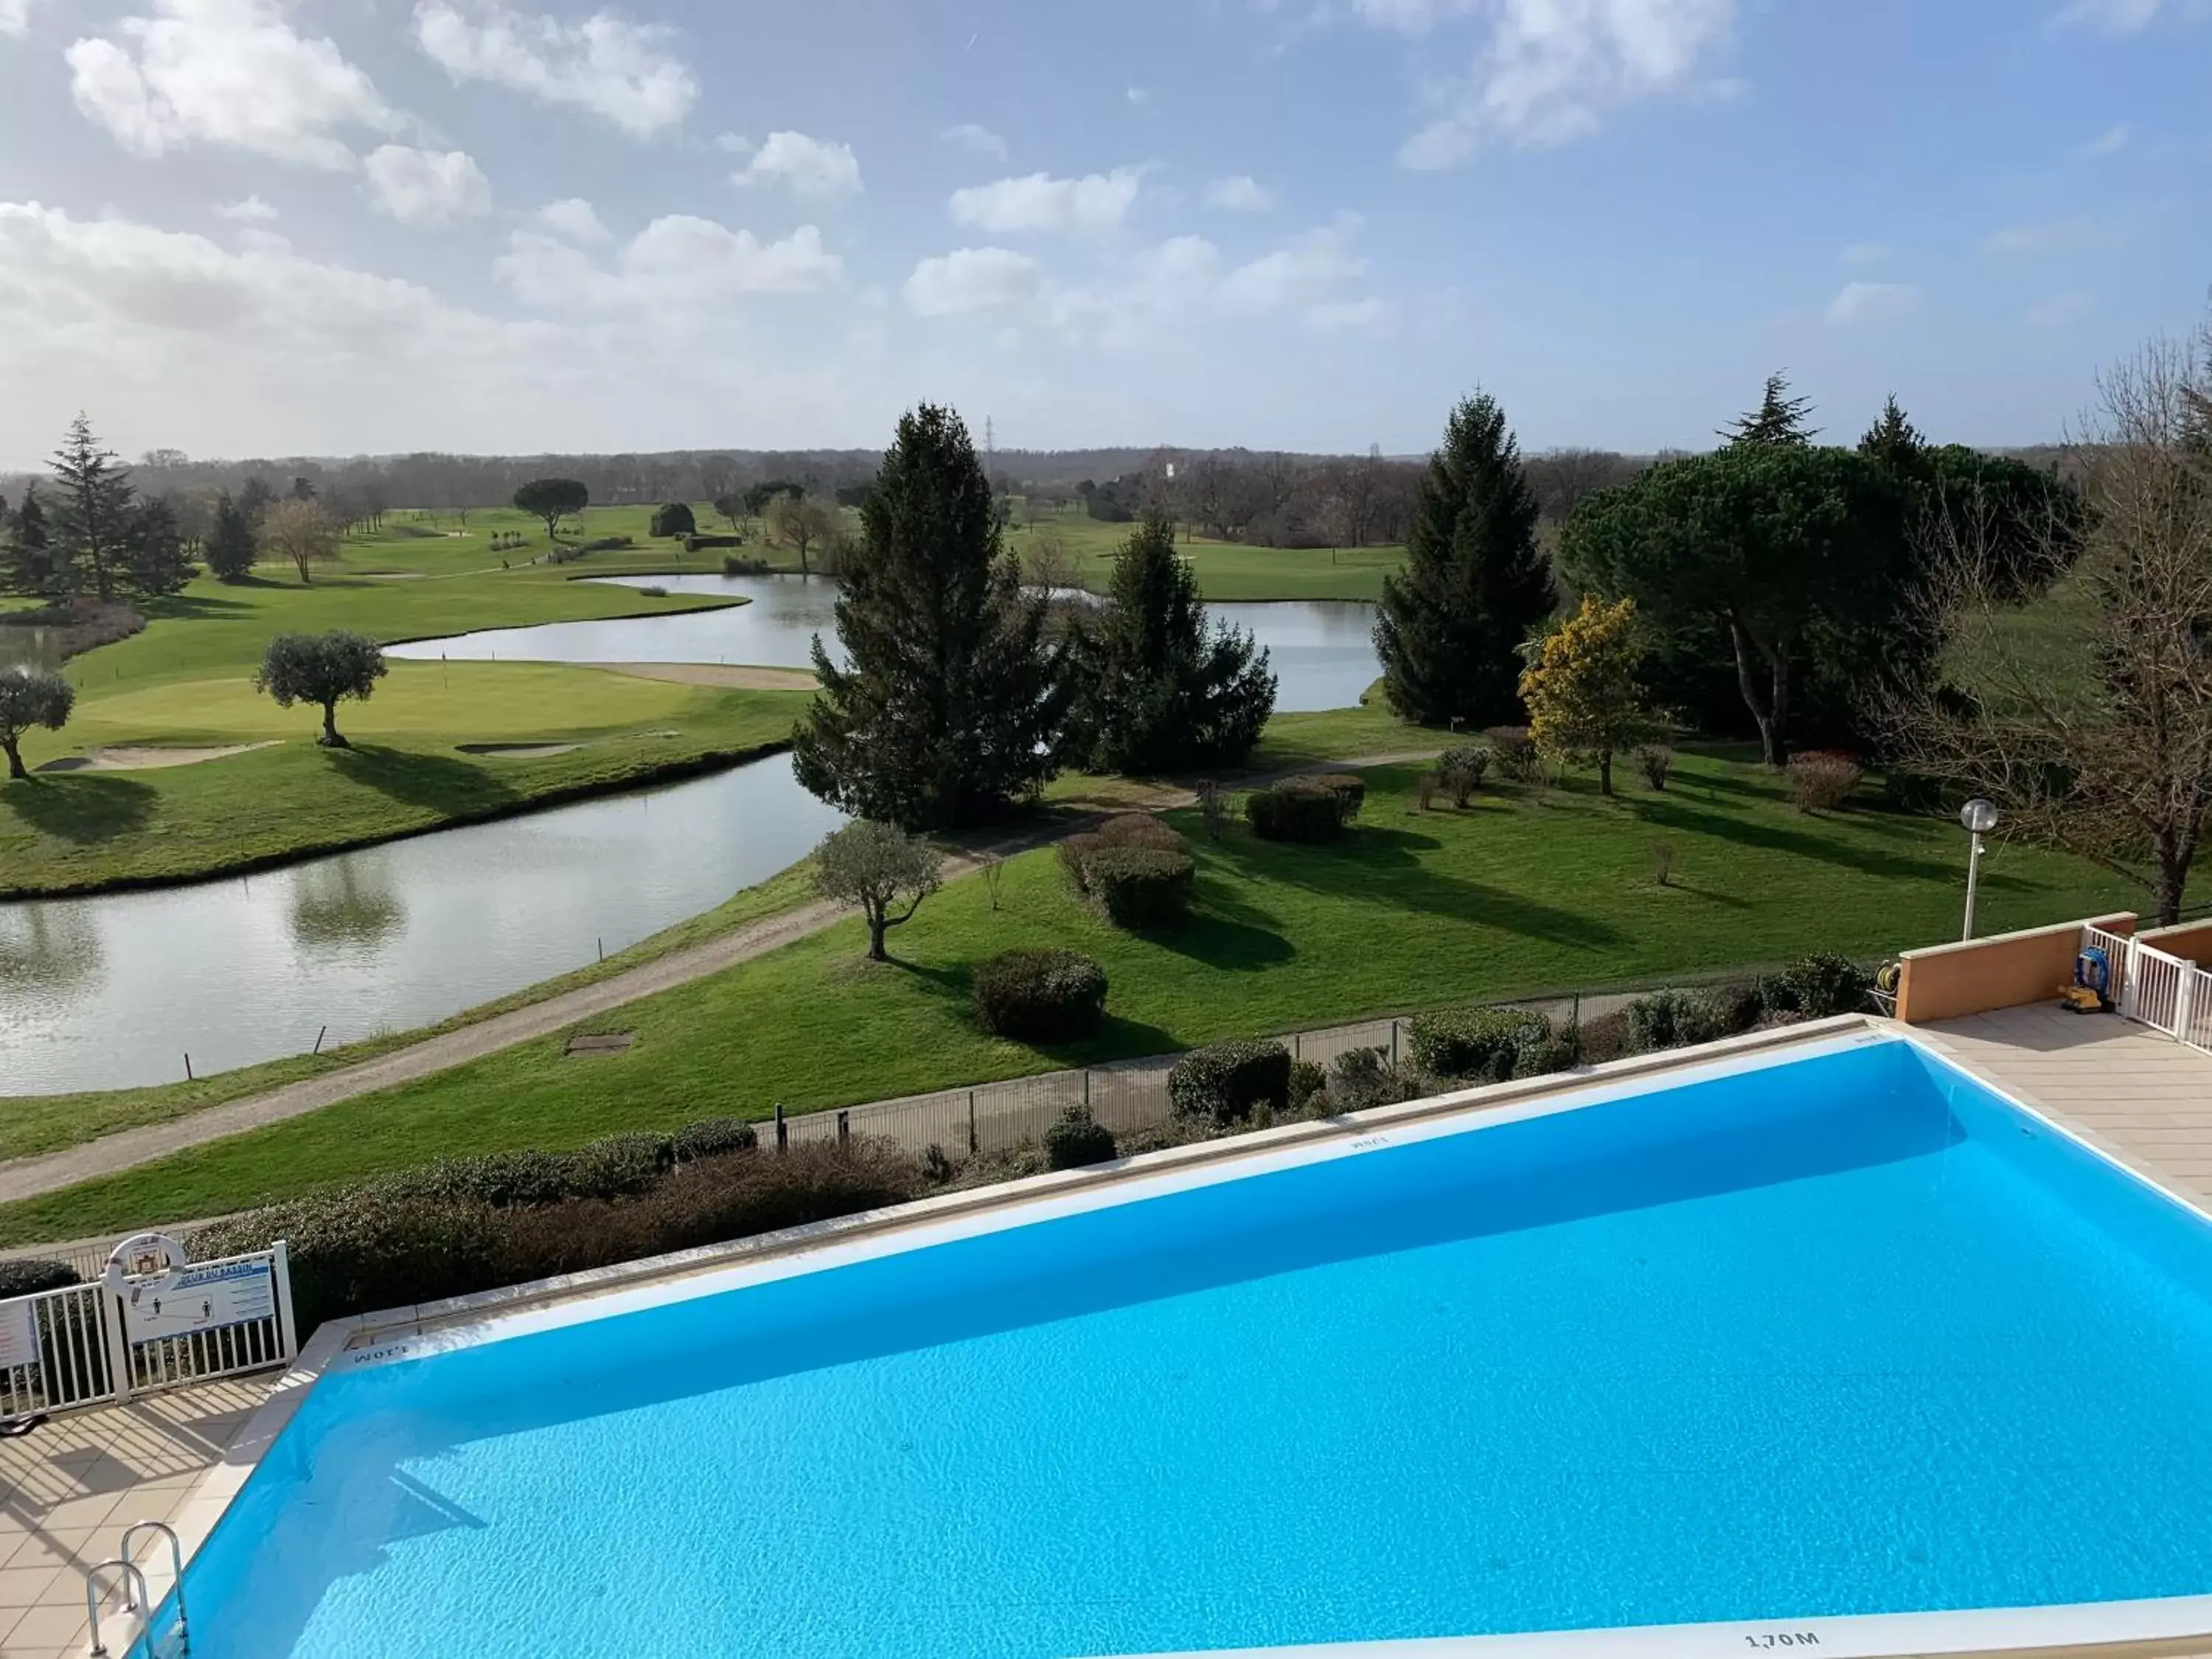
(28, 1177)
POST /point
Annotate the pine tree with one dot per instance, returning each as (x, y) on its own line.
(92, 510)
(230, 546)
(1474, 584)
(155, 561)
(29, 549)
(952, 698)
(1893, 441)
(1780, 418)
(1158, 691)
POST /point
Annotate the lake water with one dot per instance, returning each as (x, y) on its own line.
(113, 991)
(1322, 650)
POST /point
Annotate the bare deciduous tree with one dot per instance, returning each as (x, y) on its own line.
(2092, 728)
(301, 531)
(801, 520)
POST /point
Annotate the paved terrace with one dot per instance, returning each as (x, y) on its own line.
(68, 1491)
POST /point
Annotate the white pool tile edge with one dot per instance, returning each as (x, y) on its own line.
(2089, 1626)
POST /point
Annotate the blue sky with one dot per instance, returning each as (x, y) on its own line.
(340, 226)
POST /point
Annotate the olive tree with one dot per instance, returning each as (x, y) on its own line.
(28, 698)
(321, 669)
(875, 867)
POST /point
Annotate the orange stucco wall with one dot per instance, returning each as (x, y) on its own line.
(2191, 941)
(2006, 971)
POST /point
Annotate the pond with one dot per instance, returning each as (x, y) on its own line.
(113, 990)
(1321, 650)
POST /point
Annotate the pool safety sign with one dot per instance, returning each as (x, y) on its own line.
(19, 1335)
(206, 1298)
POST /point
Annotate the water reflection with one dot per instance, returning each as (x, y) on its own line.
(112, 991)
(347, 904)
(31, 646)
(1322, 650)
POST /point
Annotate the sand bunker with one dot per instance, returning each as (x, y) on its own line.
(126, 758)
(710, 673)
(519, 750)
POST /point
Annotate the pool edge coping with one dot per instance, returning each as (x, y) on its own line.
(2172, 1625)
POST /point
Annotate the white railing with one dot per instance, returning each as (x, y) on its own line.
(2156, 989)
(74, 1347)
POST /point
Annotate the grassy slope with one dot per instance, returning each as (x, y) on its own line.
(1512, 898)
(1225, 570)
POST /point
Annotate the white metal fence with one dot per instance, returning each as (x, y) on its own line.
(2156, 989)
(73, 1347)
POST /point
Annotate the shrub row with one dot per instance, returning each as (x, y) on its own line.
(1474, 1042)
(1040, 996)
(388, 1245)
(28, 1278)
(1315, 808)
(709, 544)
(1817, 986)
(1134, 869)
(741, 564)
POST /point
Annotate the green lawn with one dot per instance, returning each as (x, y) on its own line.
(74, 830)
(1515, 896)
(1226, 570)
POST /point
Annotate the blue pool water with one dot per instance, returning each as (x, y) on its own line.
(1844, 1336)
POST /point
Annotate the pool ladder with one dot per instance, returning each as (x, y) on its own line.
(137, 1598)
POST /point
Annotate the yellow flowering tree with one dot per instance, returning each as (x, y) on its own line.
(1585, 704)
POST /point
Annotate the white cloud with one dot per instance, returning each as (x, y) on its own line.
(971, 280)
(427, 186)
(2060, 310)
(2113, 17)
(1240, 194)
(1317, 280)
(1866, 253)
(811, 167)
(575, 219)
(976, 141)
(675, 263)
(231, 73)
(1553, 70)
(243, 347)
(1315, 270)
(624, 72)
(1872, 303)
(14, 16)
(2109, 142)
(245, 209)
(734, 143)
(1138, 96)
(1097, 202)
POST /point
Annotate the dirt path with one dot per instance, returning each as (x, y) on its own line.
(28, 1177)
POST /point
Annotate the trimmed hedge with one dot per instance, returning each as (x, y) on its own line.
(1474, 1042)
(1140, 829)
(716, 1137)
(1040, 996)
(1825, 983)
(1226, 1082)
(1077, 1141)
(29, 1277)
(1141, 887)
(1305, 808)
(1074, 853)
(674, 520)
(363, 1250)
(709, 544)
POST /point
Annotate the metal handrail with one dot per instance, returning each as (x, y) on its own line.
(177, 1567)
(98, 1649)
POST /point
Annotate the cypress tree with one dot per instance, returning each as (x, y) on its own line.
(951, 699)
(230, 545)
(1780, 418)
(30, 556)
(92, 510)
(1452, 622)
(1158, 690)
(155, 561)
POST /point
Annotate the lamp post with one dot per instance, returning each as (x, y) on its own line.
(1979, 817)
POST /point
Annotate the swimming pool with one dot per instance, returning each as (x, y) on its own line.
(1780, 1340)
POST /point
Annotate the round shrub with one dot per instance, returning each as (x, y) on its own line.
(620, 1166)
(1301, 809)
(1514, 751)
(28, 1278)
(1224, 1084)
(1361, 1079)
(1655, 761)
(1140, 829)
(1074, 852)
(1825, 984)
(1821, 779)
(1040, 996)
(1474, 1043)
(674, 520)
(716, 1137)
(1461, 771)
(1077, 1141)
(1141, 887)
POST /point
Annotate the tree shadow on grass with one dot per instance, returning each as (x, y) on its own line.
(1375, 865)
(439, 783)
(81, 807)
(1216, 937)
(1748, 832)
